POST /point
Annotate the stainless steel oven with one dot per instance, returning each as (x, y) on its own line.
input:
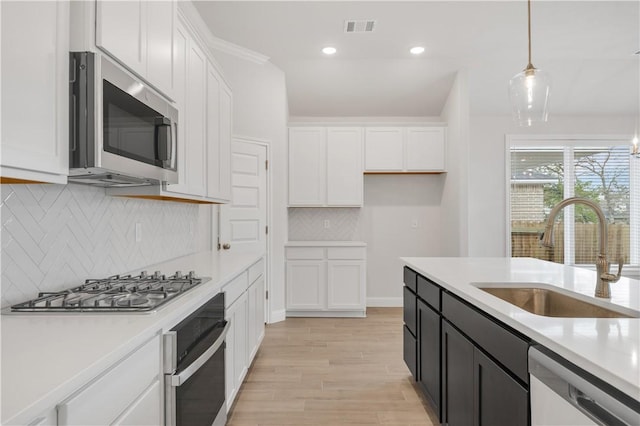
(195, 368)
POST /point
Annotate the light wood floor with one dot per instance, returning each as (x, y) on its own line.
(332, 371)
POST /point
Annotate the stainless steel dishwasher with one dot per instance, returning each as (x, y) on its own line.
(564, 394)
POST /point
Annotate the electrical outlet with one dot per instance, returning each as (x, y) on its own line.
(327, 224)
(414, 224)
(138, 229)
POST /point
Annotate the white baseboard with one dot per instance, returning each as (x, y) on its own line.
(277, 316)
(384, 302)
(327, 314)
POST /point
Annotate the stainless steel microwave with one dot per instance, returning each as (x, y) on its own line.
(122, 133)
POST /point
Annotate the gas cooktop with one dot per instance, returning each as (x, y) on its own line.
(119, 293)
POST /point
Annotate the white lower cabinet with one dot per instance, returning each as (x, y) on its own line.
(128, 393)
(326, 280)
(244, 300)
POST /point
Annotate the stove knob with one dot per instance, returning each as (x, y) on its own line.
(156, 275)
(192, 275)
(143, 274)
(178, 275)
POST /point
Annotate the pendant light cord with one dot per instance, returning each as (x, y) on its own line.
(530, 65)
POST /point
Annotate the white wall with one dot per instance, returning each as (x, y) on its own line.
(487, 169)
(260, 112)
(455, 225)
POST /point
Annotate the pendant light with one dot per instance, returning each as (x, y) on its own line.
(529, 90)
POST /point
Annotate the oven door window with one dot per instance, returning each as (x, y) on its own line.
(132, 129)
(199, 399)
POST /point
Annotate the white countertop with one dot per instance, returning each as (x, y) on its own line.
(325, 244)
(609, 348)
(46, 357)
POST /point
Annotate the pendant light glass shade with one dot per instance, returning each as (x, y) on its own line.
(529, 96)
(529, 89)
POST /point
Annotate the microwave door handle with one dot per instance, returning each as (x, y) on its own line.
(179, 379)
(163, 139)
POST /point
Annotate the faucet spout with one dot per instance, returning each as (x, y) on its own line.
(602, 264)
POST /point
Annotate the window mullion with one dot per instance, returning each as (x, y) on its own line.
(569, 216)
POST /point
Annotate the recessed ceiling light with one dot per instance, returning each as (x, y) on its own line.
(329, 50)
(417, 50)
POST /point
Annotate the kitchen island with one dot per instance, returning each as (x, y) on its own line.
(608, 348)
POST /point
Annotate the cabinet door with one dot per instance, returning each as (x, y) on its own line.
(346, 285)
(501, 401)
(180, 64)
(458, 378)
(121, 31)
(146, 410)
(344, 167)
(306, 166)
(213, 132)
(429, 352)
(224, 153)
(383, 149)
(236, 348)
(160, 30)
(35, 90)
(306, 285)
(410, 351)
(425, 149)
(255, 320)
(196, 124)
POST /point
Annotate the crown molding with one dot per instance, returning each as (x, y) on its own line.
(191, 14)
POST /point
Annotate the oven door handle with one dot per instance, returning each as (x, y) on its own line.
(179, 379)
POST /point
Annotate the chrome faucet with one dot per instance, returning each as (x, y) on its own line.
(602, 264)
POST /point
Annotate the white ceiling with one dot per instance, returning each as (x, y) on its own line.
(586, 46)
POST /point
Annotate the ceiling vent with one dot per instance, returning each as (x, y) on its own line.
(361, 26)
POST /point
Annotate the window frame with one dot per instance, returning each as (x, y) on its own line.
(569, 142)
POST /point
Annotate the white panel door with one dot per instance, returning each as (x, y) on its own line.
(243, 222)
(307, 166)
(121, 29)
(196, 123)
(35, 89)
(344, 166)
(425, 149)
(346, 284)
(306, 284)
(160, 31)
(384, 149)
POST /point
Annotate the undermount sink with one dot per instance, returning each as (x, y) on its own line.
(550, 303)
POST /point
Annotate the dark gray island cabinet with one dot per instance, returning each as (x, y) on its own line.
(472, 367)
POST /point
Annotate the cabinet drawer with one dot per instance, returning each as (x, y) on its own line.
(354, 253)
(409, 311)
(256, 270)
(429, 292)
(505, 346)
(410, 277)
(109, 395)
(305, 253)
(235, 288)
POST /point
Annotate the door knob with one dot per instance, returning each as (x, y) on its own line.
(226, 246)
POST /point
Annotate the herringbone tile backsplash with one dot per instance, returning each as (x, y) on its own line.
(307, 224)
(56, 236)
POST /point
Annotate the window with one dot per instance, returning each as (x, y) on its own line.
(545, 171)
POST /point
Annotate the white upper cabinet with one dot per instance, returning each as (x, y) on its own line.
(219, 105)
(139, 34)
(425, 149)
(384, 149)
(35, 91)
(325, 166)
(307, 166)
(410, 149)
(344, 167)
